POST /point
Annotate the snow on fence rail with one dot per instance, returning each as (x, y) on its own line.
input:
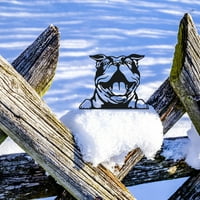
(53, 147)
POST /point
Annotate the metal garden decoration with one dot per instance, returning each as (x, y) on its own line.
(116, 81)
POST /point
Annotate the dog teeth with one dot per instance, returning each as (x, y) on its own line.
(119, 88)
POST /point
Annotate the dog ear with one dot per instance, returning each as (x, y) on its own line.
(135, 57)
(98, 57)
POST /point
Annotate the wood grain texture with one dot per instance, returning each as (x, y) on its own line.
(190, 190)
(161, 168)
(167, 104)
(170, 109)
(22, 178)
(185, 72)
(130, 161)
(31, 124)
(172, 102)
(37, 64)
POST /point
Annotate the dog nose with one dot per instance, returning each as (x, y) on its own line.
(117, 64)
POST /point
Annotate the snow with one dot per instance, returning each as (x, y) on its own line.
(9, 147)
(175, 150)
(188, 148)
(193, 151)
(107, 135)
(111, 27)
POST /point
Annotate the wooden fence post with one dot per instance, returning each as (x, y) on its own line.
(37, 64)
(185, 80)
(187, 98)
(31, 124)
(185, 72)
(190, 190)
(22, 178)
(181, 91)
(167, 104)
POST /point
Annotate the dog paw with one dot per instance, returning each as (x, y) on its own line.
(140, 104)
(87, 104)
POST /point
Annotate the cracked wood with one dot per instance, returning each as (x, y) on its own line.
(22, 178)
(32, 125)
(37, 64)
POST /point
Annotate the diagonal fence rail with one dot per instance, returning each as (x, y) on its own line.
(96, 182)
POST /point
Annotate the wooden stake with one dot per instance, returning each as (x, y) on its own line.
(172, 102)
(31, 124)
(22, 178)
(185, 72)
(37, 64)
(189, 190)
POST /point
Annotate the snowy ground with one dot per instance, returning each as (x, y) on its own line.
(112, 27)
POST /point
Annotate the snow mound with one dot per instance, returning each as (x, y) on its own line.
(174, 149)
(193, 151)
(107, 135)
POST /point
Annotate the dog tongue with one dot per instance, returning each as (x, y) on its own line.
(119, 88)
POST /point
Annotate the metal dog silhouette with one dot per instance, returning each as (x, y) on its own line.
(116, 81)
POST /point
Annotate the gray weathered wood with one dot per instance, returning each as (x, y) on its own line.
(165, 101)
(21, 178)
(31, 124)
(167, 105)
(169, 108)
(161, 168)
(185, 72)
(37, 64)
(66, 196)
(170, 112)
(24, 179)
(3, 136)
(131, 159)
(190, 190)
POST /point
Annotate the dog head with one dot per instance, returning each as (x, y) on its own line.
(117, 78)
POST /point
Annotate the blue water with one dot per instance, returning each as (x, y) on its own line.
(87, 27)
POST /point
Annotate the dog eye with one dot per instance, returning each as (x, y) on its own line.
(106, 62)
(129, 62)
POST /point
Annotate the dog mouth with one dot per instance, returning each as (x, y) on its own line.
(118, 88)
(118, 85)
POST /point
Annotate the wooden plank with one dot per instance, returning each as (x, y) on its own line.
(31, 124)
(66, 196)
(22, 178)
(130, 161)
(185, 72)
(3, 136)
(167, 104)
(165, 101)
(25, 179)
(37, 64)
(190, 190)
(185, 80)
(170, 109)
(161, 168)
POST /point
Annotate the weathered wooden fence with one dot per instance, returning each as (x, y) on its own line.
(31, 124)
(37, 64)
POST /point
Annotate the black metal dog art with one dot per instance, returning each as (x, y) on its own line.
(116, 81)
